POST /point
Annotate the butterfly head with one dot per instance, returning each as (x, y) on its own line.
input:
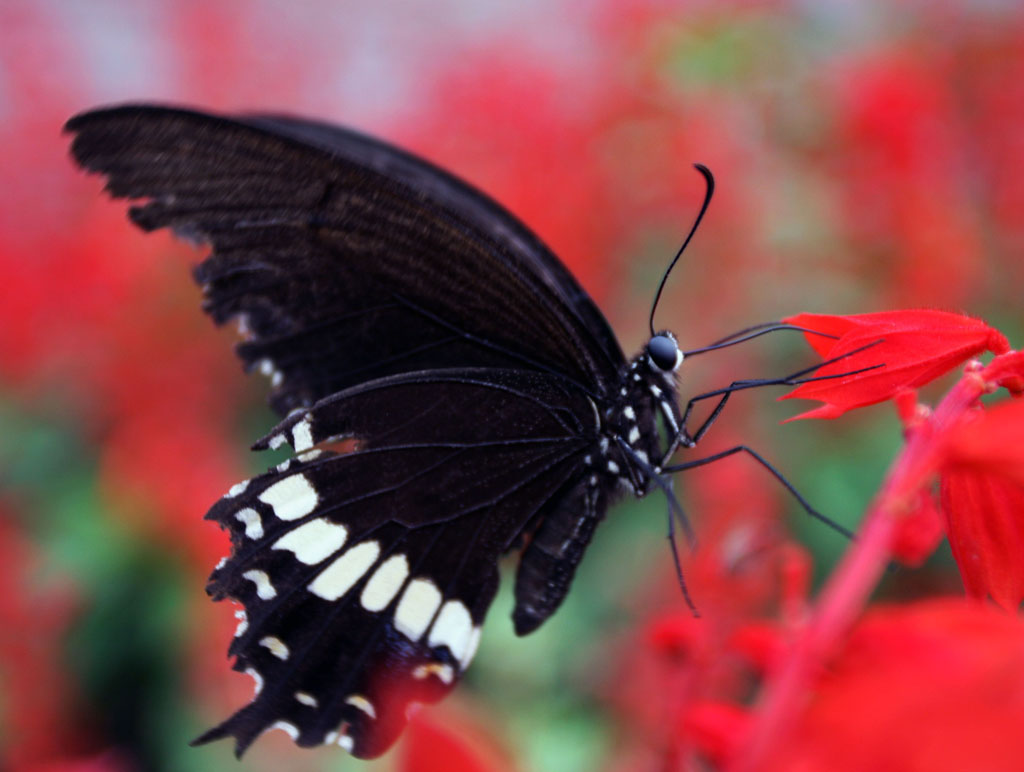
(663, 352)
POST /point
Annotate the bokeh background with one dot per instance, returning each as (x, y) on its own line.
(869, 155)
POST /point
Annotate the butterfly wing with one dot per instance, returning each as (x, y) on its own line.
(392, 304)
(365, 576)
(344, 259)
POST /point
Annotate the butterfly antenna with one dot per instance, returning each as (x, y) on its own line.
(710, 180)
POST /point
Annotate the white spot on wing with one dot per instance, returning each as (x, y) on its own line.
(257, 678)
(251, 519)
(276, 646)
(474, 643)
(629, 413)
(283, 466)
(359, 701)
(634, 435)
(385, 583)
(416, 608)
(264, 589)
(291, 498)
(313, 541)
(220, 564)
(237, 489)
(307, 699)
(286, 727)
(243, 623)
(338, 578)
(613, 467)
(452, 628)
(346, 742)
(276, 441)
(302, 434)
(442, 671)
(310, 455)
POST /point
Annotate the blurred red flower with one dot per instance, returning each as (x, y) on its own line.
(35, 612)
(932, 686)
(445, 739)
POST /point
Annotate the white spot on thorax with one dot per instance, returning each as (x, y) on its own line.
(264, 589)
(346, 742)
(314, 541)
(629, 413)
(613, 467)
(634, 435)
(417, 607)
(276, 646)
(291, 498)
(385, 583)
(338, 578)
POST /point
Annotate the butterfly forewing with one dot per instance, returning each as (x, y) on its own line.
(343, 266)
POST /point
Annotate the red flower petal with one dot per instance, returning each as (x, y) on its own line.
(985, 523)
(916, 347)
(930, 686)
(990, 442)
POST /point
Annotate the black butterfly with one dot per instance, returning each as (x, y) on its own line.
(489, 403)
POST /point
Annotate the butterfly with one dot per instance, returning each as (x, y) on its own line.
(448, 389)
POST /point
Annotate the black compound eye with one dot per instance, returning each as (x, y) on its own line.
(663, 352)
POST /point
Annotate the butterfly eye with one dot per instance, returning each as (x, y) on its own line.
(663, 352)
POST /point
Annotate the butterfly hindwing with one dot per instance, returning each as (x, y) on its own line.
(365, 575)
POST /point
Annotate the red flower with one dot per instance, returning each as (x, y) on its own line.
(933, 686)
(912, 347)
(985, 524)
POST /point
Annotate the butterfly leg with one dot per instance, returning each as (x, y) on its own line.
(774, 472)
(687, 439)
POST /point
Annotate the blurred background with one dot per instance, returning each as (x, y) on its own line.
(869, 156)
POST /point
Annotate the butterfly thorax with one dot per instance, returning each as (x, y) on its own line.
(631, 444)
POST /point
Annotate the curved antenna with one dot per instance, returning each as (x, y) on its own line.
(710, 180)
